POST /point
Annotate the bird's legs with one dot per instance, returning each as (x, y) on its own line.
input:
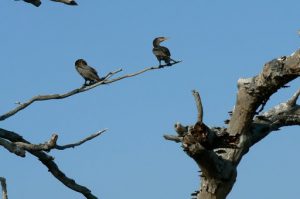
(159, 63)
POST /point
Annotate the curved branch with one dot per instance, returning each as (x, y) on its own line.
(73, 145)
(77, 90)
(48, 161)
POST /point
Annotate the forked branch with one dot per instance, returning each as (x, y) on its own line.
(106, 80)
(37, 150)
(284, 114)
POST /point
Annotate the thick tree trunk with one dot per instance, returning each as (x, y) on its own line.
(218, 150)
(215, 189)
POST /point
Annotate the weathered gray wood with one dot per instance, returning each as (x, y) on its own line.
(218, 151)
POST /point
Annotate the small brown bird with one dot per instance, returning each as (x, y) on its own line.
(36, 3)
(89, 74)
(161, 52)
(68, 2)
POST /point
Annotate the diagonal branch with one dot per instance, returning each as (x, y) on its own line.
(4, 190)
(284, 114)
(255, 92)
(77, 90)
(139, 72)
(54, 96)
(48, 161)
(73, 145)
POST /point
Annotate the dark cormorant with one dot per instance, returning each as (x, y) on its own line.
(161, 52)
(87, 72)
(36, 3)
(68, 2)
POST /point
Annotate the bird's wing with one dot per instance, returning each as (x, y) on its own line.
(161, 51)
(92, 69)
(36, 3)
(166, 51)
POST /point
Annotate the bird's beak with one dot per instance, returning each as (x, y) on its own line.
(166, 38)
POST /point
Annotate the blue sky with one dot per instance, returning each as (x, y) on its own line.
(218, 42)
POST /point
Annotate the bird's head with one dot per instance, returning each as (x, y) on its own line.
(158, 40)
(79, 62)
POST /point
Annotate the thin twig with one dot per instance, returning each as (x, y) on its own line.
(51, 144)
(140, 72)
(173, 138)
(48, 161)
(4, 190)
(199, 105)
(81, 141)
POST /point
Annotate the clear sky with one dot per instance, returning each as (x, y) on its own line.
(218, 41)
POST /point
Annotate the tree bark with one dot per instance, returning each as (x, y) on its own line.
(218, 150)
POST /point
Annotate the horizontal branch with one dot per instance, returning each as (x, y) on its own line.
(105, 80)
(4, 189)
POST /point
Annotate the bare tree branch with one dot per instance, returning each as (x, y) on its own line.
(254, 91)
(199, 105)
(173, 138)
(4, 189)
(55, 96)
(39, 147)
(140, 72)
(48, 161)
(81, 141)
(76, 91)
(218, 151)
(284, 114)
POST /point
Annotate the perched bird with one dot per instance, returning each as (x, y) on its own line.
(68, 2)
(36, 3)
(161, 52)
(88, 73)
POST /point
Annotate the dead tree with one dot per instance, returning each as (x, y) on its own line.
(218, 150)
(18, 145)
